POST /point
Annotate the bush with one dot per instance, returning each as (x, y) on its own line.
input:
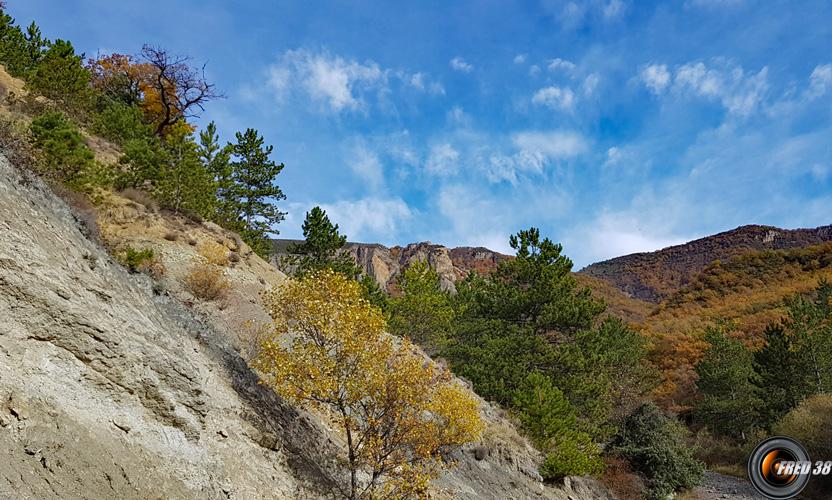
(120, 123)
(575, 454)
(214, 253)
(62, 149)
(655, 445)
(206, 281)
(136, 260)
(811, 424)
(621, 480)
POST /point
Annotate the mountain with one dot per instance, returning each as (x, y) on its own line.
(653, 276)
(385, 264)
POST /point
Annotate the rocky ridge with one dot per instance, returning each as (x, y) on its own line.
(653, 276)
(385, 264)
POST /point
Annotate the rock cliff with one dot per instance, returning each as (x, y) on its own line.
(385, 264)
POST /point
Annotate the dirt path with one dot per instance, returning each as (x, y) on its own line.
(719, 486)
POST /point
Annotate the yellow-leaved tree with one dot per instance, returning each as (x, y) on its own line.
(399, 411)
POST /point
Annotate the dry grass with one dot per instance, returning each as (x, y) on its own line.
(140, 197)
(621, 480)
(214, 253)
(206, 281)
(171, 236)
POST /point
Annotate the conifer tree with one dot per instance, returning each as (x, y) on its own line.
(729, 399)
(255, 192)
(60, 75)
(216, 160)
(322, 248)
(423, 312)
(783, 376)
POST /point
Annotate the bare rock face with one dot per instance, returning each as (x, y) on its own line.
(110, 391)
(451, 264)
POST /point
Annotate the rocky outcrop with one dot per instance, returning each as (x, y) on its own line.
(653, 276)
(385, 264)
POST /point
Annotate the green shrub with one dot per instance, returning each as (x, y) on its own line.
(655, 445)
(62, 149)
(135, 260)
(120, 123)
(575, 454)
(811, 424)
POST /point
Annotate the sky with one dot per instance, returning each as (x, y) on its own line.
(614, 126)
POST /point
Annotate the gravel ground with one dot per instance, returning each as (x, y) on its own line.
(719, 486)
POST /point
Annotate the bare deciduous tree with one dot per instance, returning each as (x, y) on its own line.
(181, 89)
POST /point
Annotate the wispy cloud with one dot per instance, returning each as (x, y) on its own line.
(337, 84)
(459, 64)
(443, 160)
(367, 218)
(739, 92)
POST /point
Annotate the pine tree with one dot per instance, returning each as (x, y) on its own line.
(216, 160)
(783, 376)
(423, 312)
(254, 174)
(183, 183)
(810, 327)
(322, 248)
(61, 76)
(729, 398)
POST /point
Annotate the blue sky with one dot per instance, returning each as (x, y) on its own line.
(615, 126)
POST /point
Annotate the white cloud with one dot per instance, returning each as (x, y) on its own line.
(614, 157)
(613, 9)
(443, 160)
(458, 116)
(534, 69)
(534, 151)
(820, 81)
(656, 77)
(551, 145)
(558, 63)
(459, 64)
(519, 58)
(420, 81)
(555, 97)
(370, 219)
(740, 93)
(590, 84)
(615, 234)
(337, 84)
(367, 166)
